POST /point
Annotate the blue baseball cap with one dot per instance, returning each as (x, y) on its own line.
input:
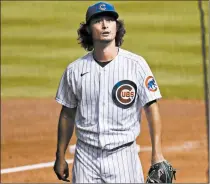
(100, 7)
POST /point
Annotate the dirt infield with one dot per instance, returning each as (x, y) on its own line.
(29, 128)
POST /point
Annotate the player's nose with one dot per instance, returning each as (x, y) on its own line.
(104, 24)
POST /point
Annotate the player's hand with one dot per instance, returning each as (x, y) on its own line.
(161, 172)
(61, 169)
(157, 158)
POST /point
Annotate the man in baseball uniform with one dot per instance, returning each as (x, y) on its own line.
(102, 95)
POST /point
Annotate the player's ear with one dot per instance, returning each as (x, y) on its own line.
(88, 29)
(118, 25)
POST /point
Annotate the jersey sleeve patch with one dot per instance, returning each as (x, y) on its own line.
(151, 84)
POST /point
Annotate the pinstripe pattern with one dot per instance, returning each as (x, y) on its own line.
(101, 124)
(98, 167)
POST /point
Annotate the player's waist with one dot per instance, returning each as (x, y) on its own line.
(122, 146)
(107, 148)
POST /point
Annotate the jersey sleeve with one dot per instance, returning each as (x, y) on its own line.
(65, 94)
(148, 88)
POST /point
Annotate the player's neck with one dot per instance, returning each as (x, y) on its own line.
(105, 53)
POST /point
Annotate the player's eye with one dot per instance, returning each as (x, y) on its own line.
(109, 19)
(97, 20)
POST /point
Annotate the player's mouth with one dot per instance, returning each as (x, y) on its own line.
(105, 33)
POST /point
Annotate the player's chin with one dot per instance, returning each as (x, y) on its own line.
(106, 40)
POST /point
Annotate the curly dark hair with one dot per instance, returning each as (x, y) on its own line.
(86, 41)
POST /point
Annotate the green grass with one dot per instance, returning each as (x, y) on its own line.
(38, 40)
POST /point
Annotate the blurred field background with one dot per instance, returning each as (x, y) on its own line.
(38, 40)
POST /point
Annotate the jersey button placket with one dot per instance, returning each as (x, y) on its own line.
(101, 99)
(103, 102)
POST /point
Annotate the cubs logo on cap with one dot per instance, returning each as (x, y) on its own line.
(124, 93)
(102, 7)
(151, 84)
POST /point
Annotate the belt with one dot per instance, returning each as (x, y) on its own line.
(122, 146)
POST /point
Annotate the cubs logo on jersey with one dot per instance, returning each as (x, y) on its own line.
(151, 84)
(124, 93)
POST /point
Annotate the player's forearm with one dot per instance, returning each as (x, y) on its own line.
(65, 131)
(154, 122)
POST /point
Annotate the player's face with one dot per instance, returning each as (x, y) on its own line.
(103, 28)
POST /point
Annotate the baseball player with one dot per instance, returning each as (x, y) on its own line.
(102, 95)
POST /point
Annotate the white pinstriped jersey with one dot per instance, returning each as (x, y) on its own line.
(108, 99)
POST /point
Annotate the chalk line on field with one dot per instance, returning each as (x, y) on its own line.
(186, 146)
(31, 167)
